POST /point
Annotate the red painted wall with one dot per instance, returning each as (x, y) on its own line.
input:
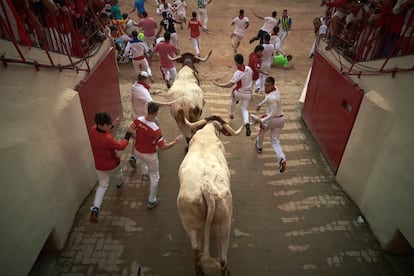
(99, 91)
(331, 106)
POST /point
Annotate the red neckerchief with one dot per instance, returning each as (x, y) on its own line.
(270, 91)
(241, 16)
(241, 67)
(146, 85)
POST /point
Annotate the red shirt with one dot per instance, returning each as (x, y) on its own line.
(194, 26)
(148, 25)
(164, 48)
(104, 148)
(255, 61)
(148, 136)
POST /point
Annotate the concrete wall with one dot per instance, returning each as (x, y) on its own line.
(46, 163)
(376, 169)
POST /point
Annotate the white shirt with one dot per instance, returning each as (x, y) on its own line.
(137, 48)
(243, 80)
(181, 7)
(130, 26)
(277, 44)
(267, 55)
(168, 9)
(240, 25)
(273, 105)
(269, 23)
(140, 97)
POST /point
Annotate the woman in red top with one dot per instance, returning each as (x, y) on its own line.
(107, 161)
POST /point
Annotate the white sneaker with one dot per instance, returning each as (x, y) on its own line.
(154, 204)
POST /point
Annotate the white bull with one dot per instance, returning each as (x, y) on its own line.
(186, 93)
(204, 201)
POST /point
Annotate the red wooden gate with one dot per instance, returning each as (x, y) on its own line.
(331, 106)
(99, 91)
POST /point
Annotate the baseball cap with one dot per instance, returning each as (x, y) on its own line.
(143, 74)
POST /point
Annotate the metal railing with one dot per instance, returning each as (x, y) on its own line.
(43, 24)
(363, 40)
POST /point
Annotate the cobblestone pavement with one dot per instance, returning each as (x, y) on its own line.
(296, 223)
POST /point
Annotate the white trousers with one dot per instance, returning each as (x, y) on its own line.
(103, 180)
(174, 39)
(202, 17)
(150, 165)
(244, 100)
(235, 40)
(196, 45)
(149, 42)
(262, 77)
(168, 73)
(283, 34)
(275, 125)
(142, 65)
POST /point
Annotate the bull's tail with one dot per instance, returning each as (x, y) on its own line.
(210, 265)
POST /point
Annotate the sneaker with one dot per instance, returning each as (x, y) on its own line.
(248, 131)
(154, 204)
(258, 150)
(133, 162)
(282, 165)
(145, 177)
(119, 186)
(94, 215)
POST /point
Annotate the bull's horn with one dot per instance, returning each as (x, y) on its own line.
(195, 124)
(231, 131)
(174, 58)
(204, 59)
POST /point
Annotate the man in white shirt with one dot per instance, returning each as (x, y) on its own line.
(273, 120)
(266, 64)
(242, 92)
(138, 51)
(269, 23)
(202, 12)
(240, 23)
(276, 42)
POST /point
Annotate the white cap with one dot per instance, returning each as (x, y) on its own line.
(143, 74)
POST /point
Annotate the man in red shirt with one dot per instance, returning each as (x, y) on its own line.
(148, 137)
(165, 49)
(255, 61)
(149, 27)
(194, 25)
(107, 161)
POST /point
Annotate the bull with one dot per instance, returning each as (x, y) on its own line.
(204, 200)
(186, 93)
